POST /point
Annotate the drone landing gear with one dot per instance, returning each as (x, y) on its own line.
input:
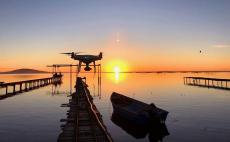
(87, 68)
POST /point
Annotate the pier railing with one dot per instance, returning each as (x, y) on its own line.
(23, 86)
(217, 83)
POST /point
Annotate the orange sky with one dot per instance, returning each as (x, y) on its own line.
(127, 55)
(140, 36)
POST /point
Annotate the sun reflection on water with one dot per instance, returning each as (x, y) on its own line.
(116, 76)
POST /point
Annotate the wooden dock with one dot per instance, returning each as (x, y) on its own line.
(208, 82)
(84, 122)
(27, 85)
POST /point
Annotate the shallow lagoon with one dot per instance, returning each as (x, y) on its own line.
(196, 114)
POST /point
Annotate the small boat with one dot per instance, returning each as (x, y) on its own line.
(137, 112)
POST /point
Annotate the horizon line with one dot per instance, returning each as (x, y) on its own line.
(44, 72)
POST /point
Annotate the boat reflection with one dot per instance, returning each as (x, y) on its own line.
(156, 131)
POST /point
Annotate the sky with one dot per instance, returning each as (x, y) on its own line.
(135, 35)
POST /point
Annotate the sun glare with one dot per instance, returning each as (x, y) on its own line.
(116, 69)
(116, 66)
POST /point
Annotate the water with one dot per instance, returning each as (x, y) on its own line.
(195, 113)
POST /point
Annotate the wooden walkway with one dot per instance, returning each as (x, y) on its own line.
(27, 85)
(84, 122)
(216, 83)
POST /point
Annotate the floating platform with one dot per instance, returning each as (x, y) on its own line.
(216, 83)
(84, 122)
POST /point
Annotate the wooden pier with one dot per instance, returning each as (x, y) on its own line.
(23, 86)
(84, 122)
(208, 82)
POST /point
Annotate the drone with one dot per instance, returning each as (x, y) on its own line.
(86, 59)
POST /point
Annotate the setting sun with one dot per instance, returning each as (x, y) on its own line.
(116, 69)
(117, 66)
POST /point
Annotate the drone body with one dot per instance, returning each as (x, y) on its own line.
(86, 59)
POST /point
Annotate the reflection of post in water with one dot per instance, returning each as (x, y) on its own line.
(55, 86)
(98, 71)
(99, 80)
(70, 72)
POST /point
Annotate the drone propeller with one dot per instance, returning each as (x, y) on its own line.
(70, 53)
(66, 53)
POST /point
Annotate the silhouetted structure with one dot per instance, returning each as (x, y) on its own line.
(28, 85)
(207, 82)
(55, 68)
(84, 122)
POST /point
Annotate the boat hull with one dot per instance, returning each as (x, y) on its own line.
(137, 112)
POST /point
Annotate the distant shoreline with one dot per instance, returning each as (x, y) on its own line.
(33, 71)
(24, 71)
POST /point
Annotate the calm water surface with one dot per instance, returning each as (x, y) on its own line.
(196, 114)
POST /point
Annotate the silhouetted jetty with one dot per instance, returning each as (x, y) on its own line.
(208, 82)
(84, 122)
(23, 86)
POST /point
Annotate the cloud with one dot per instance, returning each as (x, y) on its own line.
(221, 46)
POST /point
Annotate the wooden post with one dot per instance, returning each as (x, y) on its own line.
(6, 89)
(14, 88)
(26, 86)
(20, 87)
